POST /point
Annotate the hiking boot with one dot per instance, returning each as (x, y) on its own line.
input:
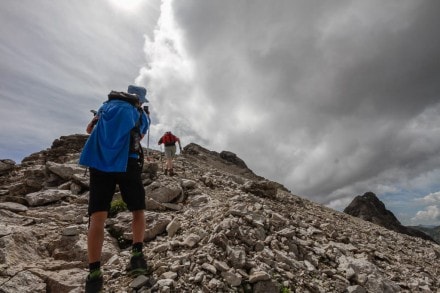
(94, 283)
(171, 172)
(138, 265)
(166, 172)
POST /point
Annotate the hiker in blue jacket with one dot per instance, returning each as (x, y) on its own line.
(113, 153)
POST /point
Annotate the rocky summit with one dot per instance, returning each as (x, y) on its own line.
(369, 208)
(213, 227)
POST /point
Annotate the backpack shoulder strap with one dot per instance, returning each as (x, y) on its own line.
(129, 98)
(139, 121)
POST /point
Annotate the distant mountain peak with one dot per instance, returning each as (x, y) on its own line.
(368, 207)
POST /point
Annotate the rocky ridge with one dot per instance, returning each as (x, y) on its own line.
(432, 231)
(215, 227)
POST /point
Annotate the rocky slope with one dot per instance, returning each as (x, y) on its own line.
(433, 232)
(369, 208)
(215, 227)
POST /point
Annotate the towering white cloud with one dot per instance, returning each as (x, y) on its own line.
(331, 99)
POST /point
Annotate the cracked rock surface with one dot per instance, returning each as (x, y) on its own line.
(214, 227)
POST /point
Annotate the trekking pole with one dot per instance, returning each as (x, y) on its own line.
(161, 160)
(148, 144)
(180, 148)
(147, 111)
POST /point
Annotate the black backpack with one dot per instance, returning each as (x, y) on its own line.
(135, 132)
(130, 98)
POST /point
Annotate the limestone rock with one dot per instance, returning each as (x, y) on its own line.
(6, 166)
(12, 206)
(214, 227)
(45, 197)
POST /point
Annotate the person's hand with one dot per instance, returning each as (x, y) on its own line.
(92, 124)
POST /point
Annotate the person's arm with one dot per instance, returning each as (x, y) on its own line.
(145, 124)
(180, 146)
(92, 124)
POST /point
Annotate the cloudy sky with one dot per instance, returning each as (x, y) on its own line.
(330, 98)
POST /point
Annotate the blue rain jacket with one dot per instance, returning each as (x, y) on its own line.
(107, 148)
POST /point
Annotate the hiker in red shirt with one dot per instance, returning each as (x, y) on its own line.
(169, 140)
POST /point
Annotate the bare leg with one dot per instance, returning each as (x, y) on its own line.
(138, 226)
(95, 237)
(169, 164)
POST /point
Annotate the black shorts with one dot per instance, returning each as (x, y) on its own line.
(103, 187)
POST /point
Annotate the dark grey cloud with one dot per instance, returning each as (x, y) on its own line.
(60, 59)
(330, 98)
